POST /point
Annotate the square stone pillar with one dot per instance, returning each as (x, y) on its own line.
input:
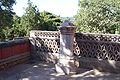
(66, 61)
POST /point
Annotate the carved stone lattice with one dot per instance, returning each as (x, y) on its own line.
(98, 37)
(46, 44)
(99, 46)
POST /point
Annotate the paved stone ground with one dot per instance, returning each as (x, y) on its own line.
(45, 71)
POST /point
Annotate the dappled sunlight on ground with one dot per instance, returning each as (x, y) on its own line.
(46, 71)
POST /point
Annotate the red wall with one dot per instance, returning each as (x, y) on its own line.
(16, 47)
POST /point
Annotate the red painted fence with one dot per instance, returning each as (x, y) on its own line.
(14, 51)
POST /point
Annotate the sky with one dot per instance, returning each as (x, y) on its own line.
(64, 8)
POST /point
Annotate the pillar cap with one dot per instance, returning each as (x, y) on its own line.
(67, 28)
(66, 24)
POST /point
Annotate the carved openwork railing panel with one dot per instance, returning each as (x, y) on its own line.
(98, 37)
(99, 46)
(46, 44)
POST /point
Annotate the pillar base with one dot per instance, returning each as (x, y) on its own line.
(66, 66)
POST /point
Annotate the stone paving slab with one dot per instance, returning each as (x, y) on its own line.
(46, 71)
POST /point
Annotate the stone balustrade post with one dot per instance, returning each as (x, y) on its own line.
(66, 61)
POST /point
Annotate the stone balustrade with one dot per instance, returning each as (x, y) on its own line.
(101, 51)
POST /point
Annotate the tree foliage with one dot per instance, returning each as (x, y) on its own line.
(6, 13)
(33, 19)
(49, 21)
(6, 17)
(14, 26)
(98, 16)
(30, 18)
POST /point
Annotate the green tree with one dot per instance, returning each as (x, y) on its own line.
(30, 19)
(17, 29)
(6, 16)
(49, 21)
(98, 16)
(6, 13)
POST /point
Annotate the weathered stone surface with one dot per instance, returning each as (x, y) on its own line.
(89, 46)
(65, 64)
(46, 71)
(101, 65)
